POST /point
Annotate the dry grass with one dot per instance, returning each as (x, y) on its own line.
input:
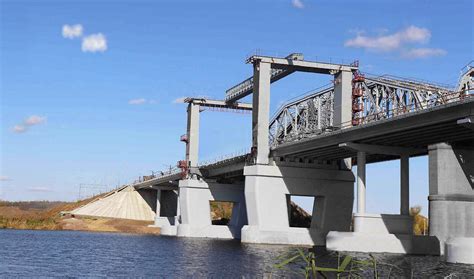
(420, 222)
(35, 215)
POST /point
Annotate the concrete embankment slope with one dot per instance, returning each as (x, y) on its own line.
(124, 203)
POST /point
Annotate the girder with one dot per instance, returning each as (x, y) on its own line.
(374, 99)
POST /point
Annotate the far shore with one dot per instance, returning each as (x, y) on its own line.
(45, 215)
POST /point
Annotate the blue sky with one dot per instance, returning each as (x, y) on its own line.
(88, 88)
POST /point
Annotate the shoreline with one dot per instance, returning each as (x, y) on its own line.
(49, 216)
(94, 225)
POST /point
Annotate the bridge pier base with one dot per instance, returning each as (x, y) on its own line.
(195, 197)
(451, 199)
(166, 211)
(267, 189)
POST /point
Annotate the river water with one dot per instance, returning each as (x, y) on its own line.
(85, 254)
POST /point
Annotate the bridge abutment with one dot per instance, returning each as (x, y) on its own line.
(451, 199)
(267, 189)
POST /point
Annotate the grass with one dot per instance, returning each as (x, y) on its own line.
(35, 215)
(305, 262)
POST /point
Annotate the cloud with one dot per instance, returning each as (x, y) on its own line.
(4, 178)
(179, 100)
(34, 120)
(72, 31)
(94, 43)
(423, 53)
(39, 189)
(297, 4)
(137, 101)
(19, 129)
(141, 101)
(411, 34)
(29, 122)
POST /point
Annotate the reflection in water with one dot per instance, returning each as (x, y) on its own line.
(67, 253)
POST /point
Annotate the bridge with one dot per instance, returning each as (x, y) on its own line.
(308, 148)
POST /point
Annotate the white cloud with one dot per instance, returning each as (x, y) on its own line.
(19, 129)
(179, 100)
(4, 178)
(35, 120)
(411, 34)
(137, 101)
(94, 43)
(141, 101)
(297, 4)
(39, 189)
(72, 31)
(423, 52)
(28, 122)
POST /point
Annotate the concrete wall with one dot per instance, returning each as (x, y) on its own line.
(451, 199)
(266, 190)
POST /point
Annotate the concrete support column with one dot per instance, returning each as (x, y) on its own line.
(178, 206)
(343, 98)
(404, 185)
(261, 111)
(158, 202)
(342, 116)
(192, 145)
(361, 182)
(451, 199)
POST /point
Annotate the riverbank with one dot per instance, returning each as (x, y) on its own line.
(49, 215)
(46, 215)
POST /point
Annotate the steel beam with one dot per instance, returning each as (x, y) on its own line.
(302, 65)
(218, 104)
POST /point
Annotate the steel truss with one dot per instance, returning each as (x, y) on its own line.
(373, 99)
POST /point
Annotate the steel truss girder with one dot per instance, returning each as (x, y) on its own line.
(381, 98)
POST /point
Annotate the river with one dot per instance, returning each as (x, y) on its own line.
(27, 253)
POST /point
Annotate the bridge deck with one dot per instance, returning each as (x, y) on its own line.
(416, 129)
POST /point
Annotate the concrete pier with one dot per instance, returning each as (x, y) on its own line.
(267, 189)
(382, 233)
(451, 199)
(195, 197)
(167, 211)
